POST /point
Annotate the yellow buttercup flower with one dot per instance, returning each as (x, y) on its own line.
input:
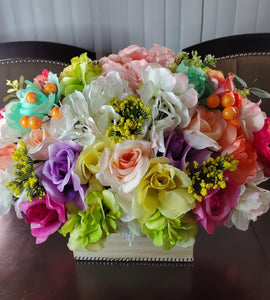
(163, 187)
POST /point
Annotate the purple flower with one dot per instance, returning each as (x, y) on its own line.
(45, 217)
(58, 176)
(179, 151)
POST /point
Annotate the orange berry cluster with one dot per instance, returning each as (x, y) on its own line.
(230, 104)
(35, 122)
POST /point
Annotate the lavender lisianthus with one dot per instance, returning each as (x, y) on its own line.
(179, 151)
(58, 176)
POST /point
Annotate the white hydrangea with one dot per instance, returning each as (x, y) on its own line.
(77, 123)
(99, 93)
(170, 99)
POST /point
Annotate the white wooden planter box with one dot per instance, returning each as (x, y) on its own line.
(117, 249)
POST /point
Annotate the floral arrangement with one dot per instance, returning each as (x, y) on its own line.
(144, 143)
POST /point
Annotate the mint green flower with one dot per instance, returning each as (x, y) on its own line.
(81, 72)
(197, 77)
(90, 228)
(167, 233)
(15, 110)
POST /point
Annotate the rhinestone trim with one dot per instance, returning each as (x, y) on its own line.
(128, 260)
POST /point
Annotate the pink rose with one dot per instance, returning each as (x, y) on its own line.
(125, 166)
(6, 155)
(216, 206)
(45, 217)
(261, 143)
(205, 128)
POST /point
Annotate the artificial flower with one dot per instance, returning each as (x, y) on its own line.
(81, 71)
(169, 98)
(77, 124)
(261, 143)
(125, 166)
(165, 188)
(205, 129)
(88, 162)
(45, 216)
(244, 152)
(180, 152)
(6, 196)
(215, 207)
(253, 202)
(90, 228)
(15, 110)
(6, 152)
(167, 233)
(99, 93)
(58, 176)
(251, 117)
(131, 62)
(197, 77)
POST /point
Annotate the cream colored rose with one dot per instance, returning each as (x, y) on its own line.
(88, 161)
(125, 166)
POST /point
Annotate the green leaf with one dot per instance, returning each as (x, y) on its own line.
(13, 95)
(239, 80)
(260, 93)
(21, 81)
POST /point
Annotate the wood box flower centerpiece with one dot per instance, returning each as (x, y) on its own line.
(127, 154)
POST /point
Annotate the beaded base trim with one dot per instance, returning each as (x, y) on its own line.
(128, 260)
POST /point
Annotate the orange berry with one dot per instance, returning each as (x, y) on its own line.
(56, 114)
(50, 88)
(227, 99)
(229, 113)
(24, 121)
(235, 122)
(213, 101)
(31, 97)
(34, 122)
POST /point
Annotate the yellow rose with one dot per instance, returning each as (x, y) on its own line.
(163, 187)
(88, 161)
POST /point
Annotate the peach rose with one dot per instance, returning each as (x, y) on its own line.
(126, 166)
(205, 129)
(6, 155)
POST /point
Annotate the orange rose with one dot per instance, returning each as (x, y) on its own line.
(243, 151)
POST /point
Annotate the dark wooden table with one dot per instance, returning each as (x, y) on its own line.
(230, 264)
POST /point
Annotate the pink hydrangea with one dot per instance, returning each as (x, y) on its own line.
(131, 62)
